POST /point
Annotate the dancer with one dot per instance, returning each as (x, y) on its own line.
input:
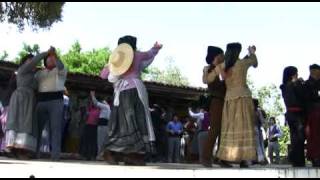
(313, 119)
(293, 92)
(217, 91)
(21, 130)
(50, 104)
(130, 127)
(237, 132)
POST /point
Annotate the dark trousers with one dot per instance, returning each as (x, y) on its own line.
(296, 125)
(174, 149)
(51, 111)
(216, 109)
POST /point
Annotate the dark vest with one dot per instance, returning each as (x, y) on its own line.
(217, 89)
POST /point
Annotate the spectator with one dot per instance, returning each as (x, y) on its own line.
(175, 129)
(274, 133)
(104, 117)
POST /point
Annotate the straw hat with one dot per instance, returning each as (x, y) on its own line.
(121, 59)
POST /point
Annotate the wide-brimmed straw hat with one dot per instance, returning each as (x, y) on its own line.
(121, 59)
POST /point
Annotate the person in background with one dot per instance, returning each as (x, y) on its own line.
(104, 117)
(203, 133)
(313, 117)
(259, 122)
(1, 130)
(294, 95)
(5, 98)
(203, 125)
(66, 119)
(190, 128)
(274, 134)
(88, 143)
(175, 130)
(156, 113)
(198, 115)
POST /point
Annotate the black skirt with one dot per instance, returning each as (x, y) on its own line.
(88, 143)
(128, 131)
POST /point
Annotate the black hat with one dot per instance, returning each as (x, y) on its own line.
(212, 53)
(288, 72)
(131, 40)
(234, 46)
(315, 66)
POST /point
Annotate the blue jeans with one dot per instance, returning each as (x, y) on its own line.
(51, 111)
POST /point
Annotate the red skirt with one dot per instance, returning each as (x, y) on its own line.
(313, 134)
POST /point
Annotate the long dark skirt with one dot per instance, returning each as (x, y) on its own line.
(88, 144)
(127, 126)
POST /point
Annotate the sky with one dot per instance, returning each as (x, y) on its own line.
(284, 33)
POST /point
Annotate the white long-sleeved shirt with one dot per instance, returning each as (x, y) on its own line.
(52, 80)
(104, 108)
(199, 116)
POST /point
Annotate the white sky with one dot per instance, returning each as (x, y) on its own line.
(284, 33)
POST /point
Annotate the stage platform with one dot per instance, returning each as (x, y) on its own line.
(10, 168)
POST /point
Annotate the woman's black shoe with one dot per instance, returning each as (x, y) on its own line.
(225, 164)
(244, 164)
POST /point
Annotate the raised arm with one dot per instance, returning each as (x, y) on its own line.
(29, 66)
(105, 72)
(251, 59)
(97, 103)
(209, 77)
(147, 58)
(62, 71)
(195, 115)
(60, 64)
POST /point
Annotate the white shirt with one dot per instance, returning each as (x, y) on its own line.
(104, 108)
(199, 116)
(51, 81)
(66, 100)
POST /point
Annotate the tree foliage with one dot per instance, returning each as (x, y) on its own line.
(171, 75)
(27, 49)
(4, 55)
(88, 62)
(270, 100)
(35, 14)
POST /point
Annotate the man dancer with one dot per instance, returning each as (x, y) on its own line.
(217, 90)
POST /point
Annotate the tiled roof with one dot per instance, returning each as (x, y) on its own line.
(93, 78)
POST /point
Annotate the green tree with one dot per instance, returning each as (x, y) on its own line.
(171, 75)
(284, 140)
(35, 14)
(88, 62)
(27, 49)
(4, 56)
(270, 100)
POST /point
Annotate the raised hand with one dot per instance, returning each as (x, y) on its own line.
(157, 45)
(52, 51)
(252, 49)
